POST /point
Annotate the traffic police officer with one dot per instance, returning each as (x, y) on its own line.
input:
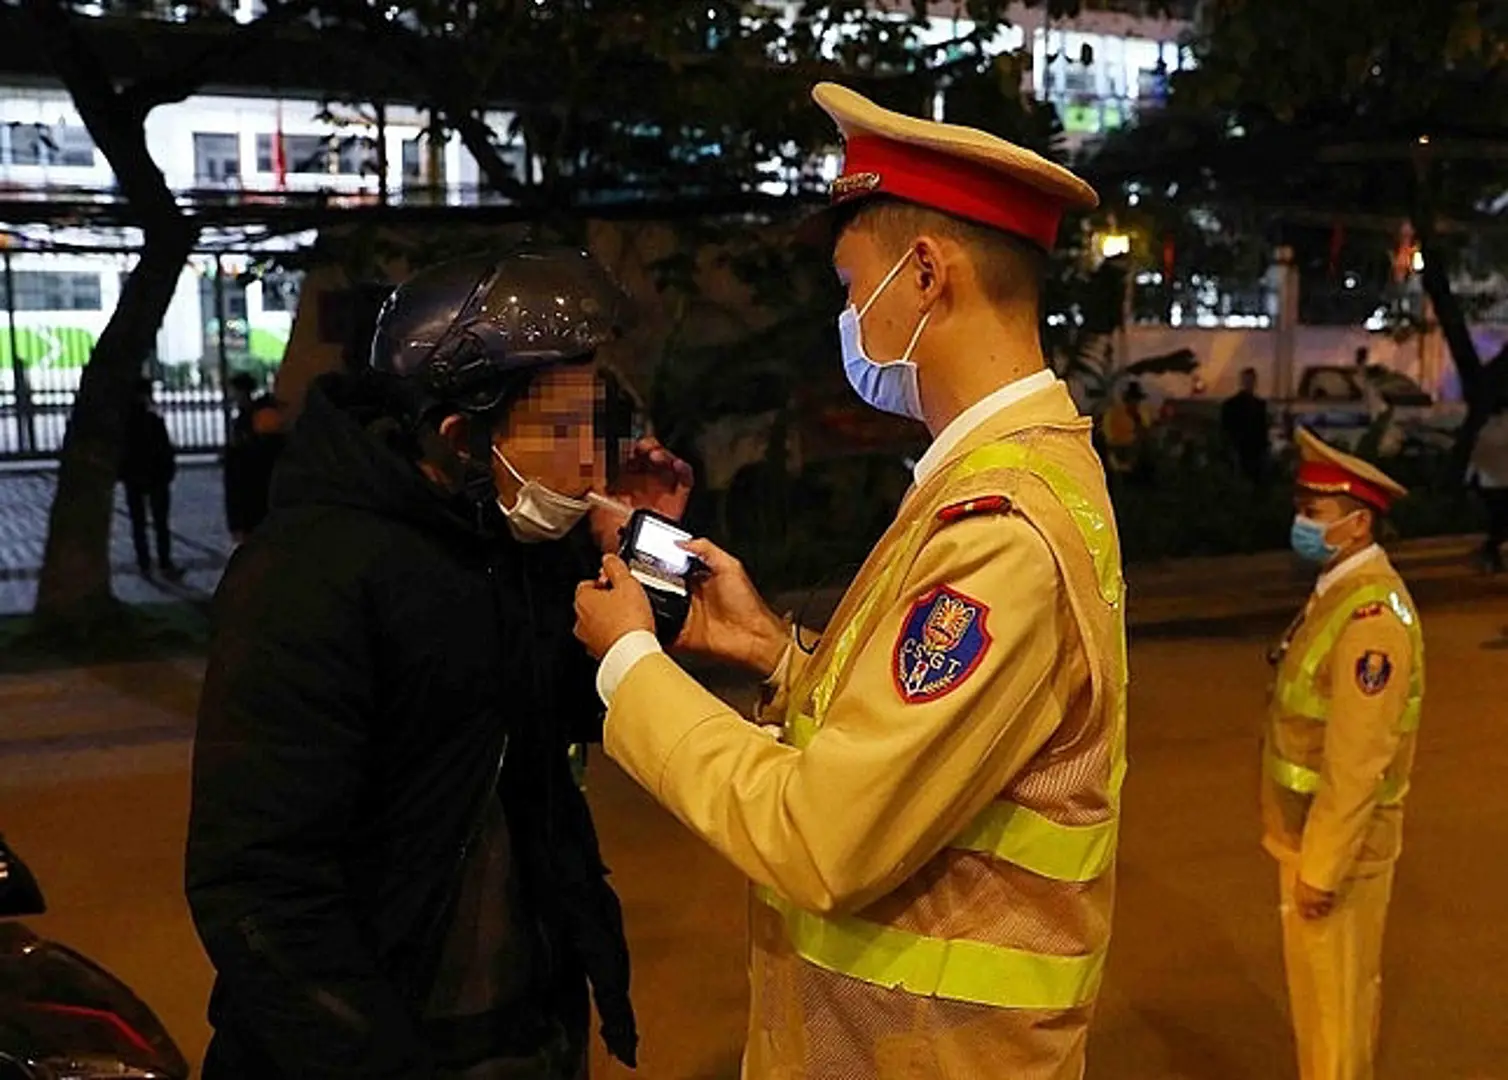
(1339, 747)
(932, 835)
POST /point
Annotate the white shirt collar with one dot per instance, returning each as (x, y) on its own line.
(976, 414)
(1344, 567)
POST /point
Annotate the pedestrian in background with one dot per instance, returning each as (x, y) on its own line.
(1126, 427)
(1243, 419)
(256, 439)
(147, 467)
(1488, 473)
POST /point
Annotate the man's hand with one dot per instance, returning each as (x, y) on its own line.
(728, 619)
(1312, 903)
(651, 478)
(613, 605)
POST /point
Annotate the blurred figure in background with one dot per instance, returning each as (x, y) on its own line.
(1126, 426)
(250, 454)
(1243, 419)
(1488, 473)
(147, 468)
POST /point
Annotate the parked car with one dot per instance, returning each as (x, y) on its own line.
(1341, 403)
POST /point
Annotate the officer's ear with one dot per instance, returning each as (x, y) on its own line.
(933, 260)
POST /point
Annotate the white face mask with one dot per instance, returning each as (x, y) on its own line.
(539, 513)
(890, 387)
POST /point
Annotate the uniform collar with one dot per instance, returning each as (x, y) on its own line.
(1346, 566)
(975, 415)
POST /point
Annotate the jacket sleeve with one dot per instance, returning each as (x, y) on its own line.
(279, 759)
(890, 778)
(1369, 671)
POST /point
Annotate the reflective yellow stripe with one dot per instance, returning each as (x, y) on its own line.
(1091, 524)
(1016, 834)
(1025, 838)
(1304, 781)
(955, 969)
(837, 663)
(1298, 694)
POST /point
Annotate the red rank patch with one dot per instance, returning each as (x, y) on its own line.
(941, 643)
(1370, 611)
(985, 504)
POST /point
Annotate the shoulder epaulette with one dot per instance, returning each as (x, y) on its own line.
(983, 504)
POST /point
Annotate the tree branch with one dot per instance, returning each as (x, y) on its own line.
(173, 87)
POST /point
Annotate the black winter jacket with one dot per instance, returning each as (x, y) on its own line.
(375, 647)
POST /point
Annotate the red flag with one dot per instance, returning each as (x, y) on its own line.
(1168, 253)
(279, 158)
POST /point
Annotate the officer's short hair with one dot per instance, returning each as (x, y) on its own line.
(1010, 269)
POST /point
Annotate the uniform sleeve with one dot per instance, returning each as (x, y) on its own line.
(893, 774)
(1369, 672)
(775, 694)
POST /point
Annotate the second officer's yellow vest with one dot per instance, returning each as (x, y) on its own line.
(1300, 702)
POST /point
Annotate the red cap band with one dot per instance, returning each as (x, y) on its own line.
(966, 189)
(1330, 479)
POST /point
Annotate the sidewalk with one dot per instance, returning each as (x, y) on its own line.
(200, 543)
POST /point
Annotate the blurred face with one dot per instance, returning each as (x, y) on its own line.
(550, 434)
(1249, 381)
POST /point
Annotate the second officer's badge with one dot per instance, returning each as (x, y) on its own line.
(1373, 670)
(941, 644)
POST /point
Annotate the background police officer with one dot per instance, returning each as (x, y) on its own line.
(1339, 749)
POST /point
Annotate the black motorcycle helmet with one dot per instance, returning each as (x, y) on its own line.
(468, 336)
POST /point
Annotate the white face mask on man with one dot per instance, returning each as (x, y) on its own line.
(539, 513)
(890, 387)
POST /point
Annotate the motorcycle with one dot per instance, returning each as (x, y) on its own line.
(62, 1016)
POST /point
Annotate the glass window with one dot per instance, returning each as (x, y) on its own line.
(280, 290)
(301, 154)
(217, 158)
(75, 146)
(25, 144)
(47, 290)
(357, 156)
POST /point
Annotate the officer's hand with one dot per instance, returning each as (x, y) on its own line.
(613, 605)
(1312, 903)
(728, 618)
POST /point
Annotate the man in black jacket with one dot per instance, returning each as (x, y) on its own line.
(389, 862)
(147, 467)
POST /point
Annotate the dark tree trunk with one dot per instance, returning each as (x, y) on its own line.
(74, 594)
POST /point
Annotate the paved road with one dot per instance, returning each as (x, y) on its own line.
(93, 789)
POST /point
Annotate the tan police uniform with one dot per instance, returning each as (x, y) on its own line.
(932, 835)
(1339, 747)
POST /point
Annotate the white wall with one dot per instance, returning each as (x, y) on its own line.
(1222, 354)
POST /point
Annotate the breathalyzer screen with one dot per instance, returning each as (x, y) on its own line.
(657, 540)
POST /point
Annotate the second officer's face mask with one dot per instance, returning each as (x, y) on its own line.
(539, 513)
(888, 386)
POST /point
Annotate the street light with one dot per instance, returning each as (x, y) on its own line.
(1114, 244)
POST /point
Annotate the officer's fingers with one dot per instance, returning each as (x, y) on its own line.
(717, 560)
(615, 571)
